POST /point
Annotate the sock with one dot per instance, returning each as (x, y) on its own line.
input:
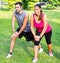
(11, 53)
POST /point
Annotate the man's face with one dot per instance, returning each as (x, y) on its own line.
(18, 8)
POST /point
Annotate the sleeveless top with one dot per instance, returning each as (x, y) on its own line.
(39, 26)
(20, 19)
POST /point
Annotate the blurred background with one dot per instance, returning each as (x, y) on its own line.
(28, 4)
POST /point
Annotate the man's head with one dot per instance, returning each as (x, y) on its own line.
(18, 6)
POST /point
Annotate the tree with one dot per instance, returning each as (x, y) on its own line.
(42, 0)
(11, 3)
(53, 4)
(29, 4)
(25, 4)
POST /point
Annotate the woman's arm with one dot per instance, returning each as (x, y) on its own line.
(45, 25)
(32, 29)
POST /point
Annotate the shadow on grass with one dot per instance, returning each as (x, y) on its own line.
(26, 45)
(56, 54)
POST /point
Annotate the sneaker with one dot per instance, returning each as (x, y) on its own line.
(40, 50)
(51, 54)
(9, 55)
(35, 60)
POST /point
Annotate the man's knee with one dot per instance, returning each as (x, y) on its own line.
(13, 37)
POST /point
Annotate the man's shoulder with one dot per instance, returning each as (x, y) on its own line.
(24, 12)
(15, 12)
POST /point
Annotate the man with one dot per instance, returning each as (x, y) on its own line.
(23, 29)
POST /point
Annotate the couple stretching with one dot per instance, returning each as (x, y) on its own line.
(37, 20)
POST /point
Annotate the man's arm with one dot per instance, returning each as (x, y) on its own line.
(24, 23)
(13, 22)
(32, 26)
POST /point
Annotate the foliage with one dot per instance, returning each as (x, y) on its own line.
(11, 3)
(52, 4)
(27, 4)
(31, 5)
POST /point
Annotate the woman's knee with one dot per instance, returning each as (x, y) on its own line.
(36, 43)
(48, 42)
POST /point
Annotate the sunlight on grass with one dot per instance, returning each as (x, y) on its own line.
(55, 20)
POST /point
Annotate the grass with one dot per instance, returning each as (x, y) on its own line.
(23, 50)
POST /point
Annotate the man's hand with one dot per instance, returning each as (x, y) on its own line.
(15, 34)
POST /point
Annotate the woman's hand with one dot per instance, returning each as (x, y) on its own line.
(37, 38)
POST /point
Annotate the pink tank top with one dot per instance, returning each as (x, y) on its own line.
(40, 26)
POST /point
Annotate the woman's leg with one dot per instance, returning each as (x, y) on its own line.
(48, 40)
(36, 51)
(36, 47)
(50, 47)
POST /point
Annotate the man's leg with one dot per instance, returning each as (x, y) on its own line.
(13, 38)
(12, 43)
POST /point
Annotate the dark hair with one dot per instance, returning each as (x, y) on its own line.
(39, 5)
(18, 3)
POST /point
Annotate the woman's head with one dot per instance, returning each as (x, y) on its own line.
(38, 10)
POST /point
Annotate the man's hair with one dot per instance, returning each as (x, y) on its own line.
(18, 3)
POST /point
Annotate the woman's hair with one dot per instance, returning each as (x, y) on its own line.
(39, 5)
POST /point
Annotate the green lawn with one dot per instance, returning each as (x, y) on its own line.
(23, 50)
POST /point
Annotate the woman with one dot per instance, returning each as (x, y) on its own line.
(39, 20)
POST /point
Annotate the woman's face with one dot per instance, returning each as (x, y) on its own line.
(37, 10)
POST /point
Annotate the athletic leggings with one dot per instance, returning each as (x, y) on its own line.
(47, 37)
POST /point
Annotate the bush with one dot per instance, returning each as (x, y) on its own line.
(52, 4)
(31, 5)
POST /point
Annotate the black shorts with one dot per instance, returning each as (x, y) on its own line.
(28, 35)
